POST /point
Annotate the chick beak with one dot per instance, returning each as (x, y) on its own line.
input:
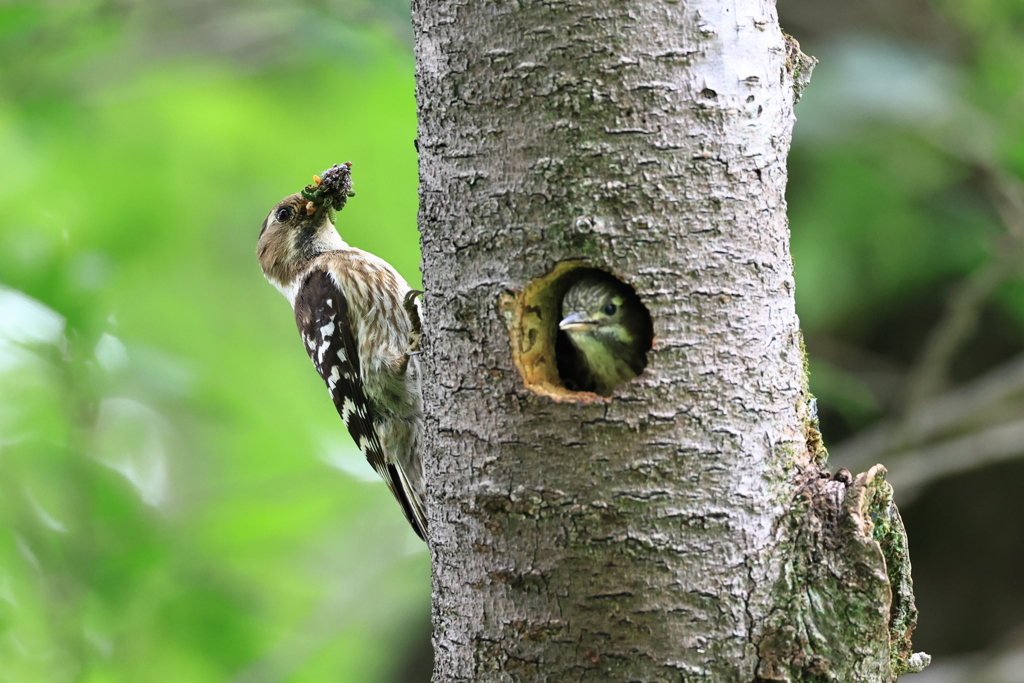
(576, 322)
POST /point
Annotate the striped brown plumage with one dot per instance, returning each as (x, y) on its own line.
(360, 327)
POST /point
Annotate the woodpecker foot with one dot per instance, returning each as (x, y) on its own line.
(413, 349)
(412, 310)
(410, 305)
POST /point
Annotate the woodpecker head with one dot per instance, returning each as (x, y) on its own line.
(605, 320)
(596, 308)
(301, 226)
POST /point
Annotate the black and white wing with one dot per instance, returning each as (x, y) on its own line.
(322, 315)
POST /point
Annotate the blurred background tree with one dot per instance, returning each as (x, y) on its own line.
(907, 212)
(178, 502)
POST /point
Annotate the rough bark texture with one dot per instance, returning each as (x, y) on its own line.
(671, 533)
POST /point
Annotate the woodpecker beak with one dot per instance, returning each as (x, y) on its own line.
(576, 322)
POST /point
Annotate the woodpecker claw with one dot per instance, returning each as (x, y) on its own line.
(409, 303)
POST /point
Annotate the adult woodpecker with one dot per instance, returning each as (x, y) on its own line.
(605, 334)
(359, 322)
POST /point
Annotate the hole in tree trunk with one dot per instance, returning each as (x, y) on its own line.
(578, 355)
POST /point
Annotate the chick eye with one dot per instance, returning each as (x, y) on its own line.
(609, 309)
(283, 214)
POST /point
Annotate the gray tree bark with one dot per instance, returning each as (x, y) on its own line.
(683, 530)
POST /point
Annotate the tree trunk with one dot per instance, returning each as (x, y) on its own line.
(682, 530)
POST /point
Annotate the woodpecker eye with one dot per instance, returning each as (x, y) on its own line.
(609, 309)
(283, 214)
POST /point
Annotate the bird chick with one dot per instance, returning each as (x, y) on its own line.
(605, 334)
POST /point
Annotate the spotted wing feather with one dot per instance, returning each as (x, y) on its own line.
(322, 316)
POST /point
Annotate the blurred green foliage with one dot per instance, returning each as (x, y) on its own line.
(906, 191)
(898, 156)
(178, 502)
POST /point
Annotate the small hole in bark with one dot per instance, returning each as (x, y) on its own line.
(708, 94)
(548, 360)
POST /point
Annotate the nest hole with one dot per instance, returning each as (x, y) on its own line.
(541, 351)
